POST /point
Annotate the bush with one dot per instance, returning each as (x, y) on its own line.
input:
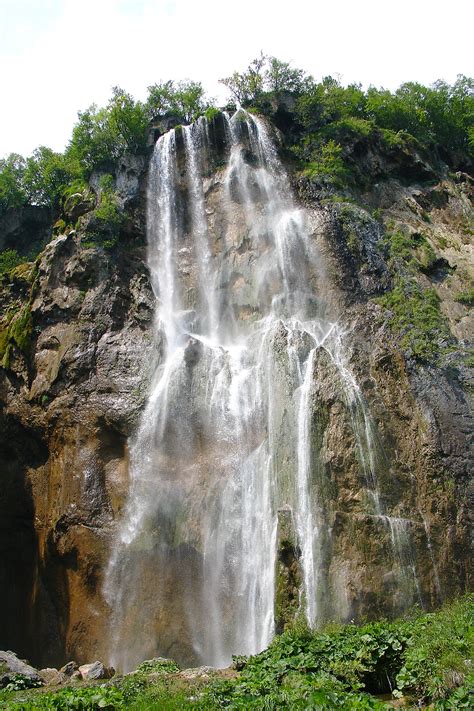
(327, 165)
(106, 220)
(86, 699)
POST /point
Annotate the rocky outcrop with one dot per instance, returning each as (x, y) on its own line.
(26, 229)
(11, 665)
(70, 402)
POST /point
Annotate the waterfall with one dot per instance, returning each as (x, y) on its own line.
(225, 440)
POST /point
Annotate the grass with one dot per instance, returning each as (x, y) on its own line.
(465, 297)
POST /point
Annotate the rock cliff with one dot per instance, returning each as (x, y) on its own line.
(77, 362)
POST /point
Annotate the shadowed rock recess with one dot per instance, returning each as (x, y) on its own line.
(216, 424)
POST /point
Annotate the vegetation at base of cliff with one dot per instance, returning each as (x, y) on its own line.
(424, 660)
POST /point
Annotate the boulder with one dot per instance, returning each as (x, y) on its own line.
(12, 664)
(53, 677)
(197, 673)
(69, 668)
(96, 670)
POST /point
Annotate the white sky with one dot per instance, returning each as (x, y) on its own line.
(60, 56)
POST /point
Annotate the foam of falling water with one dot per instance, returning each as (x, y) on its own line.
(225, 438)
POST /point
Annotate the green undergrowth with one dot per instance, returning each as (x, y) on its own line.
(422, 661)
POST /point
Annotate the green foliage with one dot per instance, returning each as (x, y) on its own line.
(425, 658)
(415, 313)
(327, 102)
(327, 165)
(18, 682)
(265, 78)
(350, 129)
(128, 121)
(466, 297)
(12, 193)
(158, 665)
(409, 253)
(102, 135)
(462, 698)
(80, 699)
(184, 100)
(9, 259)
(16, 329)
(211, 113)
(438, 653)
(439, 115)
(46, 173)
(107, 218)
(416, 317)
(393, 139)
(281, 77)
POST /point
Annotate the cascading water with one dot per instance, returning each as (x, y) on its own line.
(225, 440)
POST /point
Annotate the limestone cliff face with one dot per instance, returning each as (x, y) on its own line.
(72, 393)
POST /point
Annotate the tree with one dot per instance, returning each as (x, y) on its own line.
(184, 99)
(12, 194)
(281, 77)
(47, 174)
(248, 87)
(128, 120)
(94, 142)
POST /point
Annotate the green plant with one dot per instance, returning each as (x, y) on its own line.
(158, 665)
(16, 330)
(211, 113)
(465, 297)
(84, 699)
(414, 313)
(327, 165)
(19, 682)
(440, 645)
(9, 259)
